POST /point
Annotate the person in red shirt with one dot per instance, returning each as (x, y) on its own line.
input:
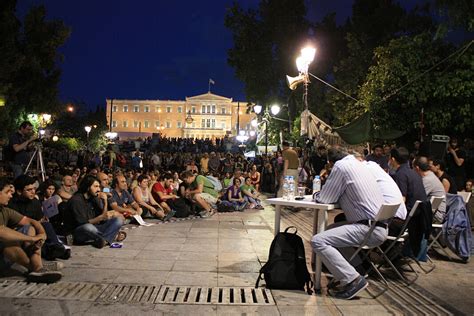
(162, 192)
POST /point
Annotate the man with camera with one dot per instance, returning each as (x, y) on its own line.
(20, 143)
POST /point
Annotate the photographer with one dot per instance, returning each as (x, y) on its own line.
(20, 144)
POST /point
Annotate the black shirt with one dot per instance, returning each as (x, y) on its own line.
(410, 184)
(318, 163)
(81, 210)
(21, 157)
(452, 184)
(30, 208)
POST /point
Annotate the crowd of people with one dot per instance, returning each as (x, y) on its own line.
(88, 197)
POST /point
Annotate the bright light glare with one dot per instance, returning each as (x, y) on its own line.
(46, 117)
(252, 133)
(88, 129)
(42, 132)
(275, 109)
(254, 122)
(300, 64)
(308, 54)
(55, 138)
(241, 132)
(257, 109)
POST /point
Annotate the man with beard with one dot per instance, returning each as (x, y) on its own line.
(162, 192)
(89, 220)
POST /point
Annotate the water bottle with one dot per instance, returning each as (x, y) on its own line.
(291, 188)
(285, 188)
(316, 184)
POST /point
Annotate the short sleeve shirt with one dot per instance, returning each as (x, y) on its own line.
(9, 218)
(158, 187)
(126, 198)
(208, 187)
(22, 156)
(292, 158)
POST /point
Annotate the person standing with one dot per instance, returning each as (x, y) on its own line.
(455, 163)
(20, 143)
(290, 165)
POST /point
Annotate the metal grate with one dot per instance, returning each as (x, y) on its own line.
(130, 293)
(215, 295)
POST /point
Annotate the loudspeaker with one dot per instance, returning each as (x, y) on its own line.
(438, 146)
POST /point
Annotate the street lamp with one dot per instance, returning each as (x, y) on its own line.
(88, 130)
(275, 109)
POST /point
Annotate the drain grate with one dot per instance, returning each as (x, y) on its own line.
(77, 291)
(215, 295)
(130, 293)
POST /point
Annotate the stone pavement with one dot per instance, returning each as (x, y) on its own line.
(166, 263)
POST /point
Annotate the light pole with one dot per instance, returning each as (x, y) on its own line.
(88, 130)
(274, 109)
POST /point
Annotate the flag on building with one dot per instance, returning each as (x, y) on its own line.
(211, 81)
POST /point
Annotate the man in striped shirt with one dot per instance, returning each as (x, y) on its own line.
(355, 189)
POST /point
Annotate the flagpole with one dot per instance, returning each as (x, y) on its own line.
(209, 89)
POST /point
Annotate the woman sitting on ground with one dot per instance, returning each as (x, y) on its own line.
(234, 196)
(142, 195)
(255, 178)
(250, 194)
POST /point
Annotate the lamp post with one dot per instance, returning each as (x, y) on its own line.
(274, 109)
(88, 130)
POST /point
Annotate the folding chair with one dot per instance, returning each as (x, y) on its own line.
(466, 196)
(400, 239)
(437, 227)
(386, 212)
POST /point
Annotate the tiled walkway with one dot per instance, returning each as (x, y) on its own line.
(226, 251)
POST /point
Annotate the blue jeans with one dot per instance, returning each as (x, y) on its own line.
(88, 233)
(17, 170)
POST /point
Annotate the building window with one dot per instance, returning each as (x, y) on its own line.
(125, 108)
(168, 124)
(193, 109)
(114, 108)
(208, 123)
(223, 110)
(157, 109)
(203, 123)
(213, 109)
(180, 109)
(135, 124)
(203, 109)
(178, 124)
(125, 123)
(114, 123)
(157, 123)
(208, 109)
(168, 109)
(136, 108)
(147, 124)
(147, 109)
(213, 123)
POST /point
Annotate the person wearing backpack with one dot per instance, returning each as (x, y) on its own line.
(352, 186)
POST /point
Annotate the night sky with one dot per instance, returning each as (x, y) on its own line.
(146, 49)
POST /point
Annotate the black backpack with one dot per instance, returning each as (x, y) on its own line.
(286, 266)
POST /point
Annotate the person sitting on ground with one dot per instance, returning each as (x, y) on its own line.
(66, 191)
(88, 220)
(21, 240)
(171, 203)
(237, 175)
(251, 195)
(227, 181)
(176, 182)
(234, 198)
(433, 186)
(255, 178)
(191, 166)
(144, 198)
(26, 203)
(201, 191)
(439, 169)
(122, 201)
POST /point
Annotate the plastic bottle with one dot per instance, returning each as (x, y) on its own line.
(316, 184)
(291, 188)
(286, 187)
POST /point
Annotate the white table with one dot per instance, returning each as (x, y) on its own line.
(319, 225)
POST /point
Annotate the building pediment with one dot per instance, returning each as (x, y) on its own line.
(208, 97)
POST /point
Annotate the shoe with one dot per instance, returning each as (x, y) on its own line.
(169, 215)
(99, 243)
(204, 214)
(352, 289)
(66, 255)
(53, 265)
(44, 276)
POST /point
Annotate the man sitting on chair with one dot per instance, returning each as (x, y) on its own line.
(355, 189)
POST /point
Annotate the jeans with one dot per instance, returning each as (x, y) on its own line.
(350, 235)
(16, 169)
(88, 233)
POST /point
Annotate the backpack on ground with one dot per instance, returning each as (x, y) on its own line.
(286, 266)
(215, 182)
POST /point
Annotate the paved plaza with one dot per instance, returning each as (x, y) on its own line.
(209, 267)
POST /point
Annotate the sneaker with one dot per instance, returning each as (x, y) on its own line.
(352, 289)
(53, 265)
(169, 215)
(204, 214)
(44, 276)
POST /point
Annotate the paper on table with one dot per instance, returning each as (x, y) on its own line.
(140, 221)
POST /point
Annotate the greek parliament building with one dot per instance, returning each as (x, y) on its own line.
(203, 116)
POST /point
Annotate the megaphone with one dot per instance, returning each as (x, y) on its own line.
(293, 82)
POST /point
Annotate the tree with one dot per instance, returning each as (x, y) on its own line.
(29, 72)
(397, 89)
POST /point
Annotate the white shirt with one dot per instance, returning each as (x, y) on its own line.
(390, 191)
(354, 187)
